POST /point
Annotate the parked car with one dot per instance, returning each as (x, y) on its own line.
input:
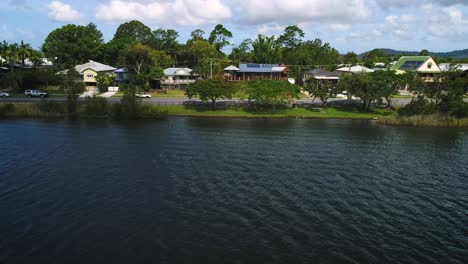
(35, 93)
(3, 94)
(144, 95)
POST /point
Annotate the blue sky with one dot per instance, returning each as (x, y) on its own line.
(348, 25)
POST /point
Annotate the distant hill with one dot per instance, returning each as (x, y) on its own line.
(456, 54)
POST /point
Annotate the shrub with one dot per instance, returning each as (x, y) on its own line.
(5, 109)
(419, 106)
(50, 106)
(152, 112)
(96, 107)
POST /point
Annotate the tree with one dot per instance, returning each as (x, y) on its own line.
(219, 37)
(271, 92)
(266, 50)
(197, 34)
(165, 40)
(386, 84)
(291, 37)
(373, 56)
(350, 58)
(424, 52)
(24, 51)
(71, 44)
(72, 86)
(210, 90)
(160, 61)
(134, 31)
(104, 80)
(139, 60)
(322, 89)
(200, 51)
(359, 85)
(242, 53)
(4, 49)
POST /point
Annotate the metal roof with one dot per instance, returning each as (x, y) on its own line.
(322, 72)
(95, 66)
(231, 68)
(261, 68)
(355, 69)
(409, 62)
(178, 72)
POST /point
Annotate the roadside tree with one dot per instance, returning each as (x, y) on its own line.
(271, 92)
(210, 90)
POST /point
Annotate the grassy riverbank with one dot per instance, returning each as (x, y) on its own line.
(335, 113)
(425, 121)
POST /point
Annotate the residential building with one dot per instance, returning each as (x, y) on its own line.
(178, 78)
(251, 71)
(357, 69)
(90, 70)
(424, 66)
(321, 74)
(453, 67)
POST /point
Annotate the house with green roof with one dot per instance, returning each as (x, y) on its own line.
(425, 66)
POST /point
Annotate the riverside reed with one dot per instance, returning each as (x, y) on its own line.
(102, 110)
(435, 120)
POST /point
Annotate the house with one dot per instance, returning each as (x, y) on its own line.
(357, 69)
(321, 74)
(178, 78)
(453, 67)
(251, 71)
(90, 70)
(424, 66)
(121, 76)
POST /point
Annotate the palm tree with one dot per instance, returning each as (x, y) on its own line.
(4, 50)
(24, 51)
(13, 54)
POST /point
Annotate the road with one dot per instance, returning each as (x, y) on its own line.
(183, 101)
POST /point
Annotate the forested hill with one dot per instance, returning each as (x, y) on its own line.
(456, 54)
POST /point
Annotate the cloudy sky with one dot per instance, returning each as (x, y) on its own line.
(348, 25)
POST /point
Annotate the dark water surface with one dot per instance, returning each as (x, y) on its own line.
(191, 190)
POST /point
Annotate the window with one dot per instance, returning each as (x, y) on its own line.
(90, 75)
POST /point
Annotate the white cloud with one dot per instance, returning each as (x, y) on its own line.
(407, 3)
(61, 12)
(446, 22)
(401, 27)
(301, 11)
(165, 12)
(340, 27)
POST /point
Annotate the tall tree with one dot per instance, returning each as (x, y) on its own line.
(200, 51)
(197, 34)
(350, 58)
(291, 37)
(4, 49)
(266, 50)
(165, 40)
(219, 37)
(73, 44)
(139, 61)
(134, 31)
(243, 52)
(24, 51)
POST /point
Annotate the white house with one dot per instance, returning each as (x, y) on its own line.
(178, 78)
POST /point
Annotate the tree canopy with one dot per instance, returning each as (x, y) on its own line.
(73, 44)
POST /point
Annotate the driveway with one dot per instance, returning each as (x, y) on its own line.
(108, 94)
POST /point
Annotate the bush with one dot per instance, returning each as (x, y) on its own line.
(5, 109)
(419, 106)
(50, 106)
(152, 112)
(96, 107)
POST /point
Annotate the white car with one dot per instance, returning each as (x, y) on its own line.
(3, 94)
(35, 93)
(144, 95)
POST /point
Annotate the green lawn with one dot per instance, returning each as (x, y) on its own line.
(338, 113)
(399, 96)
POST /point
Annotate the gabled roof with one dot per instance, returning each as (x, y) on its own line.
(261, 68)
(355, 69)
(406, 63)
(322, 73)
(178, 72)
(95, 66)
(231, 68)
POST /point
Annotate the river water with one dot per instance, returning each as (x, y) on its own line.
(192, 190)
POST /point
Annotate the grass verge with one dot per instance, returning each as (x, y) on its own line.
(335, 113)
